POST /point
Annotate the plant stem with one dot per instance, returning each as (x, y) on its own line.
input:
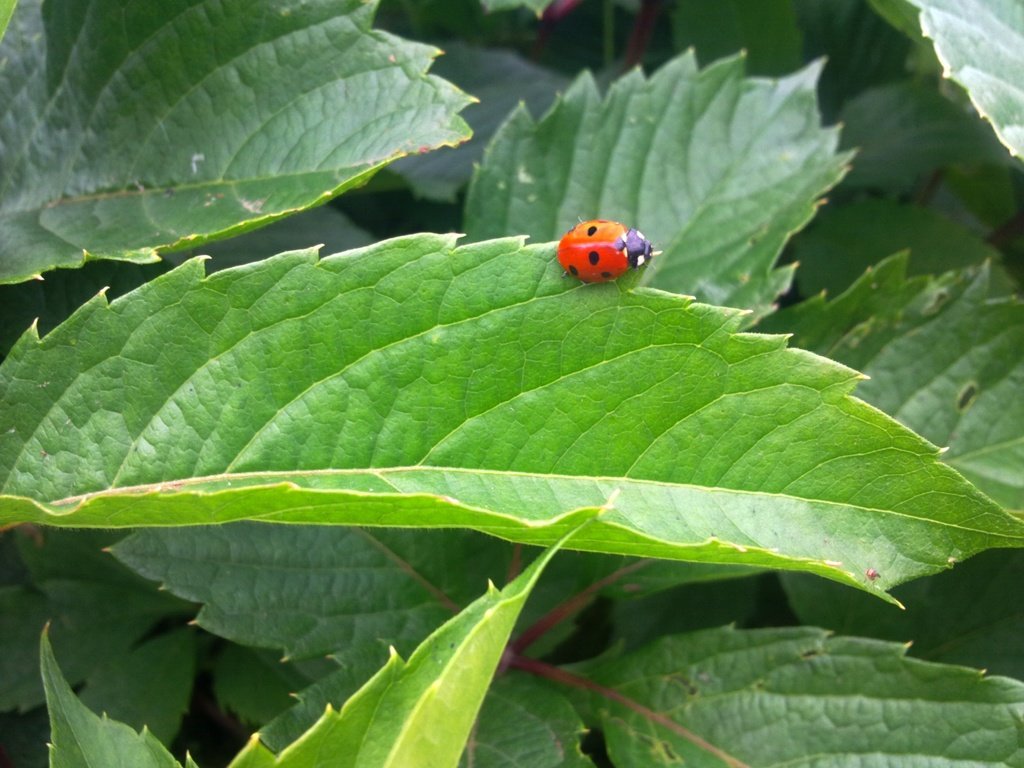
(556, 674)
(564, 610)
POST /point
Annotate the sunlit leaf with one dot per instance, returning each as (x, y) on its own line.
(717, 169)
(417, 384)
(981, 45)
(134, 129)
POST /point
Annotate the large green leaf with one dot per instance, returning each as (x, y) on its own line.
(716, 168)
(311, 590)
(137, 129)
(981, 45)
(418, 713)
(787, 697)
(417, 384)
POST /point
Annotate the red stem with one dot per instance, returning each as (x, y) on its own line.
(1008, 231)
(564, 610)
(549, 672)
(640, 37)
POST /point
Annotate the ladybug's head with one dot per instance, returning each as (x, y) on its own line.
(638, 248)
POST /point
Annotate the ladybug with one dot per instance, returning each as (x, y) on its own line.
(599, 250)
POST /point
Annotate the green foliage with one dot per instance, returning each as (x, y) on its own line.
(490, 340)
(253, 491)
(124, 149)
(833, 697)
(666, 151)
(981, 45)
(6, 11)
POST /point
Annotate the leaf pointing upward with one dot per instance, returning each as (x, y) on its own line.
(415, 383)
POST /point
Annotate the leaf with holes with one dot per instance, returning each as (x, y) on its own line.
(149, 128)
(413, 383)
(716, 168)
(943, 358)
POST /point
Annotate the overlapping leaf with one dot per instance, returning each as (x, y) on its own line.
(778, 697)
(844, 241)
(525, 723)
(981, 45)
(716, 168)
(415, 713)
(312, 591)
(943, 358)
(417, 384)
(905, 129)
(965, 616)
(500, 79)
(78, 737)
(131, 130)
(6, 10)
(418, 713)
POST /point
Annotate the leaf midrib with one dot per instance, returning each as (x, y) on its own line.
(278, 477)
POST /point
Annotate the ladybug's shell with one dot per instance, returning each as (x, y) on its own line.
(593, 251)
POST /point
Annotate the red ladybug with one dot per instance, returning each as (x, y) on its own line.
(600, 250)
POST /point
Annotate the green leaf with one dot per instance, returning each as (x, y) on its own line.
(965, 616)
(945, 360)
(254, 685)
(79, 738)
(905, 129)
(846, 240)
(717, 169)
(689, 607)
(981, 46)
(797, 696)
(325, 227)
(150, 686)
(6, 11)
(525, 723)
(420, 712)
(415, 384)
(537, 6)
(501, 80)
(97, 610)
(333, 690)
(861, 49)
(766, 29)
(142, 130)
(47, 303)
(900, 13)
(312, 590)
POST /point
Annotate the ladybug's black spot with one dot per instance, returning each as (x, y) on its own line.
(575, 272)
(594, 257)
(606, 275)
(591, 231)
